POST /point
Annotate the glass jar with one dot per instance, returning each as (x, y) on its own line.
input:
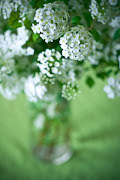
(51, 131)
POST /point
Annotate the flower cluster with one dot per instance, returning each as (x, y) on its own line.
(76, 43)
(46, 80)
(6, 66)
(111, 51)
(56, 63)
(103, 16)
(7, 6)
(11, 86)
(70, 91)
(11, 46)
(52, 21)
(49, 63)
(115, 23)
(105, 11)
(68, 69)
(96, 53)
(34, 90)
(113, 2)
(113, 87)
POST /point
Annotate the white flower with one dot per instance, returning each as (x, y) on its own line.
(7, 6)
(72, 75)
(69, 91)
(111, 81)
(96, 53)
(34, 28)
(73, 47)
(51, 109)
(65, 53)
(30, 51)
(54, 70)
(57, 64)
(113, 2)
(105, 11)
(49, 64)
(63, 40)
(39, 121)
(34, 90)
(58, 55)
(107, 88)
(115, 23)
(48, 52)
(52, 20)
(94, 8)
(40, 56)
(111, 95)
(11, 46)
(113, 87)
(11, 87)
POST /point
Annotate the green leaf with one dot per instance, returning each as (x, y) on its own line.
(75, 20)
(117, 34)
(14, 16)
(101, 75)
(88, 18)
(96, 35)
(37, 4)
(15, 25)
(90, 82)
(27, 24)
(13, 20)
(98, 1)
(35, 37)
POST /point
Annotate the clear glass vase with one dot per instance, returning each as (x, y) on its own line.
(51, 131)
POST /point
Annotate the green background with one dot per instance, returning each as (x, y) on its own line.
(95, 137)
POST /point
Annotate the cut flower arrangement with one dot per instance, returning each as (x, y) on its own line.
(45, 48)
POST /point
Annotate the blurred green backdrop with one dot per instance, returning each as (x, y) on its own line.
(95, 136)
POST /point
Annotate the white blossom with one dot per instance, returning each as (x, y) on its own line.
(113, 2)
(30, 51)
(69, 91)
(34, 90)
(76, 43)
(51, 109)
(39, 121)
(52, 21)
(49, 63)
(113, 87)
(110, 51)
(103, 16)
(7, 6)
(105, 11)
(11, 87)
(115, 23)
(11, 46)
(96, 53)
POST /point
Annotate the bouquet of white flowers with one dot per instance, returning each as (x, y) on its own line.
(45, 47)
